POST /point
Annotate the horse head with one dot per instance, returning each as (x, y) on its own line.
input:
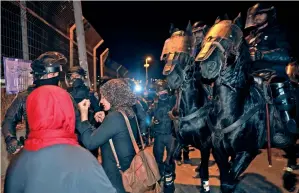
(177, 55)
(221, 47)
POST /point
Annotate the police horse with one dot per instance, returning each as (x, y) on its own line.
(192, 105)
(243, 118)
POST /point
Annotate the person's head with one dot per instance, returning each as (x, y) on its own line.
(74, 73)
(80, 91)
(51, 118)
(162, 89)
(260, 15)
(47, 67)
(199, 30)
(116, 94)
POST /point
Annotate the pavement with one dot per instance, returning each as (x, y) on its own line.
(257, 173)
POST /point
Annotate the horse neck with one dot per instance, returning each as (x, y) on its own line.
(189, 99)
(230, 98)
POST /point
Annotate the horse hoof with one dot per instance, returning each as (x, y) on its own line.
(289, 181)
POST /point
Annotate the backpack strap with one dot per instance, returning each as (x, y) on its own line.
(131, 132)
(136, 148)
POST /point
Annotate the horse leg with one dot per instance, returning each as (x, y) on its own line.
(221, 158)
(289, 178)
(204, 169)
(240, 163)
(291, 156)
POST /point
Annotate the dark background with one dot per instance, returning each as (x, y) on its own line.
(134, 30)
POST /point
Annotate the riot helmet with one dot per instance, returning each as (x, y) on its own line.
(199, 30)
(256, 17)
(49, 63)
(75, 72)
(162, 89)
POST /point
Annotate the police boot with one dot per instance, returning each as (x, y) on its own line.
(284, 102)
(169, 178)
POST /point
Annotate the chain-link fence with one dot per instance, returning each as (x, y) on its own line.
(30, 28)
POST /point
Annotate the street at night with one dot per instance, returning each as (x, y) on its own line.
(149, 97)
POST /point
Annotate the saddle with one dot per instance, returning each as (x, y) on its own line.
(264, 75)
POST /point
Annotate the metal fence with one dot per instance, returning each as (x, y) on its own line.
(30, 28)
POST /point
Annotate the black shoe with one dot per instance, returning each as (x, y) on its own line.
(187, 161)
(179, 162)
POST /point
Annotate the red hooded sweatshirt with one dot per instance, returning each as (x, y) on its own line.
(52, 161)
(51, 118)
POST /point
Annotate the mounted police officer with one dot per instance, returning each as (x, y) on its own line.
(270, 53)
(199, 30)
(46, 71)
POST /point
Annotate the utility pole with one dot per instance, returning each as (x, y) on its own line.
(24, 31)
(81, 38)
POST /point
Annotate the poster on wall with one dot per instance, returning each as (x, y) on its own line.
(17, 75)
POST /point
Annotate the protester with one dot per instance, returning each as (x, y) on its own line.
(52, 160)
(115, 96)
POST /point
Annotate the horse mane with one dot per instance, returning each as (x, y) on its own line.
(242, 66)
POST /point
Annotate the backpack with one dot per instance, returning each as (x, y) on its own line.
(143, 174)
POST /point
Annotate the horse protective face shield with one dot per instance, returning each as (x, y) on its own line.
(225, 36)
(179, 42)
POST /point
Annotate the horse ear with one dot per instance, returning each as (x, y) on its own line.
(238, 21)
(171, 29)
(189, 28)
(217, 20)
(225, 17)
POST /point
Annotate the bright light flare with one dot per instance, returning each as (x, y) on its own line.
(138, 88)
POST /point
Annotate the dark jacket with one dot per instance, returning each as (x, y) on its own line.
(113, 127)
(162, 122)
(17, 111)
(273, 44)
(59, 169)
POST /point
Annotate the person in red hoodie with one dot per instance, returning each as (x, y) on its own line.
(52, 160)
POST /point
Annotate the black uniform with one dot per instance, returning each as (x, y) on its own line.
(162, 129)
(270, 49)
(49, 62)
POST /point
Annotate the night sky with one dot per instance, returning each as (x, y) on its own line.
(134, 30)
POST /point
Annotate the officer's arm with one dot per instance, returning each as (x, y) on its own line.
(281, 52)
(13, 116)
(94, 103)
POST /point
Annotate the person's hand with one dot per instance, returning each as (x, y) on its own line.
(83, 108)
(255, 54)
(13, 146)
(99, 116)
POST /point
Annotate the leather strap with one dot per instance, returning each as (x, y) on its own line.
(136, 148)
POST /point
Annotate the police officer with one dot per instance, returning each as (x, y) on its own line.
(199, 30)
(77, 88)
(270, 53)
(269, 49)
(46, 71)
(162, 127)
